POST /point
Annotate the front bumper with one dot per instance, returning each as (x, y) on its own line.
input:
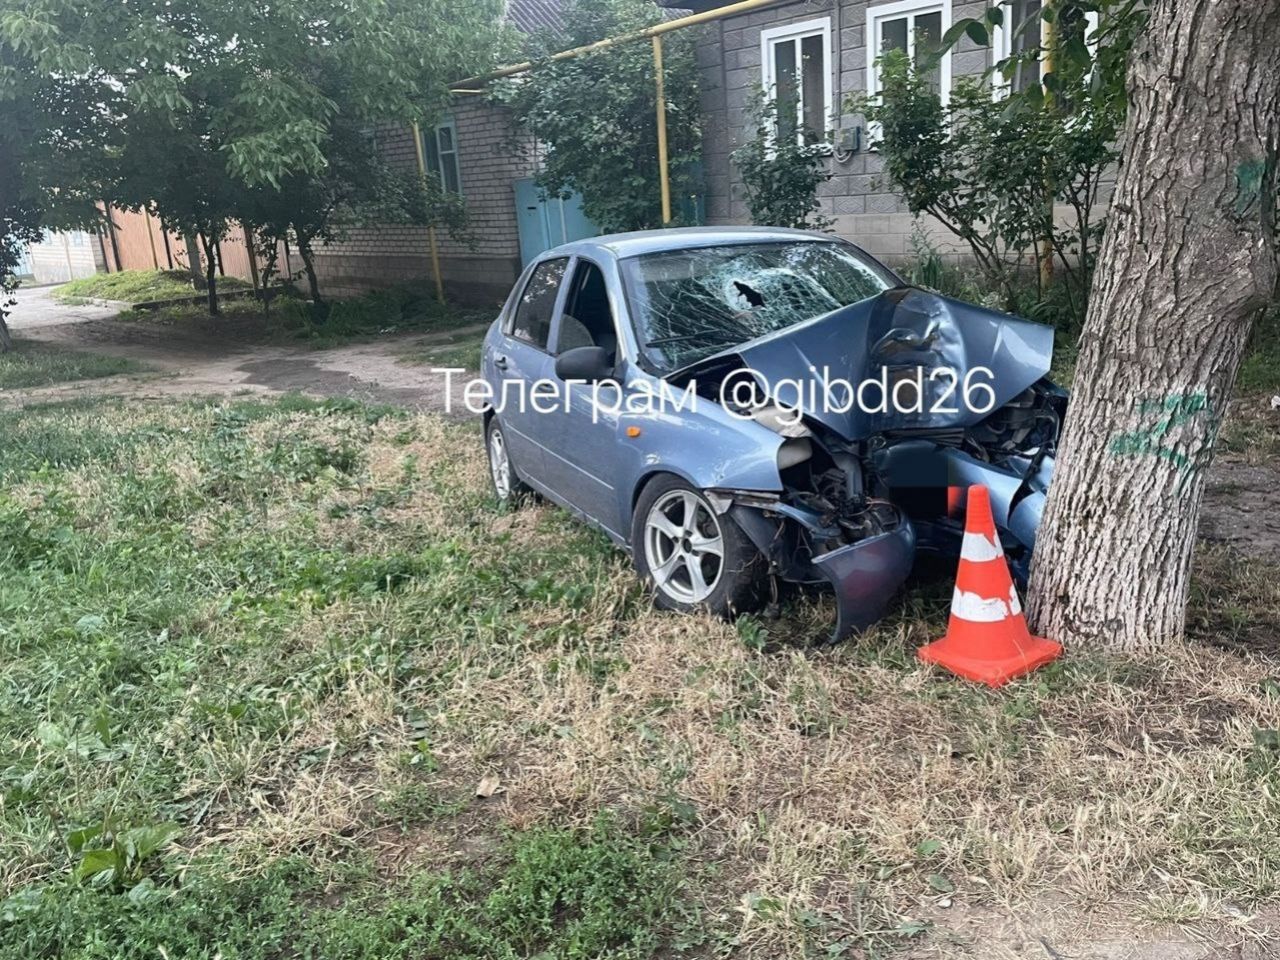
(866, 575)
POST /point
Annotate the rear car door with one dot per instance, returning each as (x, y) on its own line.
(521, 359)
(582, 462)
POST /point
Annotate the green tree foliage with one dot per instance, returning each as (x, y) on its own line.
(596, 115)
(47, 132)
(781, 174)
(204, 104)
(991, 169)
(357, 185)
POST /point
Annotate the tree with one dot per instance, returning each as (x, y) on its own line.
(992, 169)
(356, 186)
(201, 103)
(1189, 261)
(47, 140)
(597, 115)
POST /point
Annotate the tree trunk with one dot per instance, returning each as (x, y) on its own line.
(304, 250)
(211, 273)
(6, 342)
(193, 260)
(1188, 262)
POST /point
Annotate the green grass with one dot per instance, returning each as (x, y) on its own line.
(35, 365)
(381, 313)
(137, 286)
(259, 654)
(600, 891)
(1260, 370)
(460, 351)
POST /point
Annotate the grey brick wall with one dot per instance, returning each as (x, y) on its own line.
(490, 159)
(865, 209)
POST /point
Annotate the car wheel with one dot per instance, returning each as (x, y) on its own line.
(692, 558)
(507, 485)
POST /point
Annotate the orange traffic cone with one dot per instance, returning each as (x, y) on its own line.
(987, 639)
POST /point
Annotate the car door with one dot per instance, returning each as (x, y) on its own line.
(582, 462)
(521, 360)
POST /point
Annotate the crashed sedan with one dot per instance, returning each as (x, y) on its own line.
(742, 407)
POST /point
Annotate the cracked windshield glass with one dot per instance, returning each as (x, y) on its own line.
(691, 304)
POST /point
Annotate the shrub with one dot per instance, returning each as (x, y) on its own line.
(781, 175)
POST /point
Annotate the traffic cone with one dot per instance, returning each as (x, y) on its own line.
(987, 639)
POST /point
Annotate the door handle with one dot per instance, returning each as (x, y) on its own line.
(500, 361)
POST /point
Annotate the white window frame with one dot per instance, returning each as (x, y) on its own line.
(1002, 48)
(434, 133)
(893, 11)
(794, 33)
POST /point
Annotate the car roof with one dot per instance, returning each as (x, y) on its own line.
(622, 245)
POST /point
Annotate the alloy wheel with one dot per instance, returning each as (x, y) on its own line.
(499, 463)
(684, 546)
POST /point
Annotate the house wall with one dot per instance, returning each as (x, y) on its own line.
(490, 160)
(864, 207)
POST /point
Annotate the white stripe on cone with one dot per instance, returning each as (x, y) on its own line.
(979, 548)
(979, 609)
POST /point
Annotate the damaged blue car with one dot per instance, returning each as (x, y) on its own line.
(740, 407)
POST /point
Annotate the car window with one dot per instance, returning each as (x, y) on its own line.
(532, 321)
(587, 320)
(689, 304)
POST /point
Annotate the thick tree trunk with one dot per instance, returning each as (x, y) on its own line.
(1188, 262)
(6, 342)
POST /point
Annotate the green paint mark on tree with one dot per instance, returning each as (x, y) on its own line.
(1250, 176)
(1172, 411)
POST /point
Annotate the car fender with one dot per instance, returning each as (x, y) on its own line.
(708, 448)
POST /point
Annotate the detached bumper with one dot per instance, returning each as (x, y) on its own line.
(866, 575)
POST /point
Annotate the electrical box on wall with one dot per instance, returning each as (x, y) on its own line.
(848, 140)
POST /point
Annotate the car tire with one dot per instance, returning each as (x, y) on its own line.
(508, 488)
(678, 560)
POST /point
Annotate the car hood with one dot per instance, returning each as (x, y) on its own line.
(887, 337)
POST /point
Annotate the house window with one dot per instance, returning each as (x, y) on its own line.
(1022, 32)
(796, 70)
(1018, 34)
(915, 27)
(441, 147)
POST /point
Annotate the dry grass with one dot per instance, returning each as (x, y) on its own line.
(831, 795)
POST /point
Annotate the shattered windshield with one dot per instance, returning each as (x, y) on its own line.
(690, 304)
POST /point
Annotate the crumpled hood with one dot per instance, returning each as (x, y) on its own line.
(896, 332)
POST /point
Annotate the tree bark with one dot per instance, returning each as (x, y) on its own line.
(193, 260)
(1188, 262)
(6, 342)
(211, 273)
(304, 250)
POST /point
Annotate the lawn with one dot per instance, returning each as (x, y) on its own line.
(459, 350)
(34, 365)
(138, 286)
(397, 311)
(259, 656)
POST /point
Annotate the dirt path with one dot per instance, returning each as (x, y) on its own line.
(222, 358)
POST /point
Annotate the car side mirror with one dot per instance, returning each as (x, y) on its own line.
(589, 364)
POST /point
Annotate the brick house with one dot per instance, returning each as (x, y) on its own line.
(814, 53)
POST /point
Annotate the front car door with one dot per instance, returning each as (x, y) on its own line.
(582, 462)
